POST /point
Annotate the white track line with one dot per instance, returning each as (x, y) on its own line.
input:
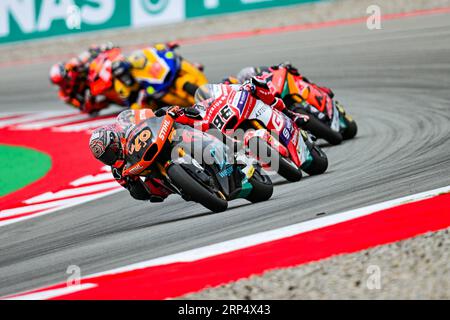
(85, 125)
(48, 294)
(71, 192)
(31, 208)
(46, 123)
(272, 235)
(236, 244)
(92, 179)
(32, 117)
(72, 203)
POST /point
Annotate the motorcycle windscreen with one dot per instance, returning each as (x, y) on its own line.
(127, 120)
(207, 93)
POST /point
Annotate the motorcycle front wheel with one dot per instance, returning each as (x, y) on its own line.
(351, 128)
(319, 163)
(196, 191)
(262, 187)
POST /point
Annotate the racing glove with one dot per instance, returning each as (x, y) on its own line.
(173, 111)
(176, 112)
(258, 88)
(300, 119)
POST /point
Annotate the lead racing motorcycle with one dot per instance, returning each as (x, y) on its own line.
(269, 135)
(189, 162)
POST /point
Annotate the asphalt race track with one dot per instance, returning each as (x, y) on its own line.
(395, 82)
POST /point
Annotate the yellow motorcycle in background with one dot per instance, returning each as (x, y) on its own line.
(165, 76)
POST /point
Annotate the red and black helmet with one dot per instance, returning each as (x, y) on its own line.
(105, 145)
(57, 73)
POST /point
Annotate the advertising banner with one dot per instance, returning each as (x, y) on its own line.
(154, 12)
(200, 8)
(32, 19)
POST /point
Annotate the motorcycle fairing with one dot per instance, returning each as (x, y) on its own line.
(155, 69)
(239, 100)
(231, 177)
(145, 142)
(101, 82)
(283, 83)
(276, 81)
(335, 119)
(262, 112)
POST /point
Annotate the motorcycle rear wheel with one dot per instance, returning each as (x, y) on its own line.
(196, 191)
(320, 129)
(286, 169)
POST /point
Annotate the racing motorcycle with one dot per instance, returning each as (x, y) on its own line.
(189, 162)
(229, 109)
(166, 76)
(102, 85)
(329, 120)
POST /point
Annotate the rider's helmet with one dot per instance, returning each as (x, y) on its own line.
(67, 75)
(105, 145)
(57, 73)
(246, 74)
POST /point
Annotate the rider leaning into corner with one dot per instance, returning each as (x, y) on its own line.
(107, 143)
(122, 70)
(71, 78)
(249, 72)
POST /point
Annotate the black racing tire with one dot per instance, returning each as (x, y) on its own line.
(320, 160)
(285, 168)
(287, 171)
(320, 129)
(351, 130)
(195, 190)
(262, 187)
